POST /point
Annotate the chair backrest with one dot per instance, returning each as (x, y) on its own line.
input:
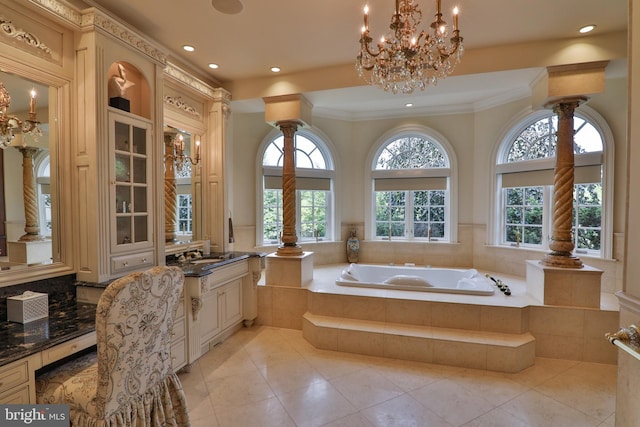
(134, 321)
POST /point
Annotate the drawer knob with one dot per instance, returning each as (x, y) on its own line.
(126, 264)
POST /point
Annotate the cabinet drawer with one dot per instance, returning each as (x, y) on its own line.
(131, 262)
(68, 348)
(17, 396)
(13, 375)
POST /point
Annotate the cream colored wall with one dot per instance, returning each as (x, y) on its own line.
(474, 138)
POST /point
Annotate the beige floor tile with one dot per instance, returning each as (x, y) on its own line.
(452, 402)
(265, 413)
(410, 375)
(238, 390)
(496, 418)
(538, 410)
(353, 420)
(496, 389)
(366, 388)
(318, 404)
(295, 384)
(403, 411)
(288, 376)
(587, 387)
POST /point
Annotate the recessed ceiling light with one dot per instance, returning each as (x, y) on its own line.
(408, 104)
(275, 69)
(213, 66)
(587, 29)
(188, 48)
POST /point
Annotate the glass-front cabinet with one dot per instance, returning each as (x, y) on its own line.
(131, 204)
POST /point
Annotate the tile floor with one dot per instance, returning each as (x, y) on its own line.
(265, 376)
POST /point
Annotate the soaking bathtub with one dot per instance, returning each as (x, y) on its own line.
(410, 278)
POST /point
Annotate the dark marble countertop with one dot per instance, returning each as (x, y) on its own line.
(207, 264)
(64, 323)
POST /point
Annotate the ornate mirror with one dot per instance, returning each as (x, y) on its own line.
(30, 244)
(181, 159)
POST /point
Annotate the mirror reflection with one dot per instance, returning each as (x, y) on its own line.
(26, 202)
(181, 155)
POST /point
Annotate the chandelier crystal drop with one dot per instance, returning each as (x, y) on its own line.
(409, 58)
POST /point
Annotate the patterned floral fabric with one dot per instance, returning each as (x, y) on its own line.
(129, 380)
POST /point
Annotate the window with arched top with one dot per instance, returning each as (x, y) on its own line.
(314, 188)
(42, 167)
(411, 176)
(525, 172)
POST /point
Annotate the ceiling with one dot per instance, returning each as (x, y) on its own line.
(303, 35)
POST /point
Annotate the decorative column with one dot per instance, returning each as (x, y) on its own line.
(289, 245)
(32, 224)
(561, 243)
(170, 193)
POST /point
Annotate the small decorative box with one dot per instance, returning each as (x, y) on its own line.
(27, 307)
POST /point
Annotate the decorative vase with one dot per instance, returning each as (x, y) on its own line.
(353, 247)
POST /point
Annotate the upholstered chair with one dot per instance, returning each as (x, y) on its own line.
(129, 380)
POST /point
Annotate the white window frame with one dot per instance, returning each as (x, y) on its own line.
(450, 174)
(325, 146)
(495, 229)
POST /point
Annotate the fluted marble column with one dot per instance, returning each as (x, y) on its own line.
(561, 243)
(289, 245)
(32, 224)
(170, 193)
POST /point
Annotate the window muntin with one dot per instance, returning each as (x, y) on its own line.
(411, 195)
(411, 152)
(306, 153)
(523, 214)
(314, 189)
(411, 214)
(185, 221)
(530, 158)
(538, 140)
(311, 209)
(587, 217)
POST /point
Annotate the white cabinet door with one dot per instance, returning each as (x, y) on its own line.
(209, 316)
(230, 298)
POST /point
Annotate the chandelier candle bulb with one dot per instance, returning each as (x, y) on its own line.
(366, 18)
(455, 18)
(32, 102)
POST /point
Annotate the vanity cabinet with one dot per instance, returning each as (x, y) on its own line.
(17, 382)
(220, 302)
(222, 308)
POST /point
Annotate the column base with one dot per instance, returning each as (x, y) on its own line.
(563, 286)
(30, 252)
(291, 271)
(562, 260)
(290, 250)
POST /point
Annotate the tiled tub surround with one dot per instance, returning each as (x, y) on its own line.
(497, 332)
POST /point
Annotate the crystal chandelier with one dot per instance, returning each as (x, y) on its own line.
(409, 58)
(9, 124)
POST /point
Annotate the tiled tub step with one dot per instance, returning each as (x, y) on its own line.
(503, 352)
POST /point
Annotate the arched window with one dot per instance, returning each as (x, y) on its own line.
(314, 188)
(524, 174)
(42, 163)
(411, 176)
